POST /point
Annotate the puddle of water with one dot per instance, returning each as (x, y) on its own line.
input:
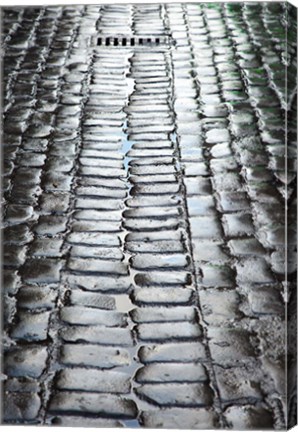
(131, 423)
(123, 303)
(126, 146)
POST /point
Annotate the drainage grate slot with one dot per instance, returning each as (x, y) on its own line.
(132, 41)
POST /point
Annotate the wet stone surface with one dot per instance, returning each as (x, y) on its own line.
(144, 191)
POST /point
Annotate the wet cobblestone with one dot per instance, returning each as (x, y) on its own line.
(146, 278)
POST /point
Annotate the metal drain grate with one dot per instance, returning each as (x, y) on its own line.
(125, 41)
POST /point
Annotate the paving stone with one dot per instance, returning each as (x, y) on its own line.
(94, 239)
(31, 327)
(100, 204)
(41, 247)
(179, 395)
(50, 225)
(14, 256)
(97, 266)
(146, 224)
(42, 270)
(92, 191)
(197, 185)
(205, 227)
(238, 224)
(97, 334)
(150, 261)
(17, 235)
(54, 203)
(163, 278)
(90, 316)
(158, 200)
(155, 246)
(178, 418)
(171, 372)
(32, 297)
(217, 276)
(20, 406)
(105, 284)
(78, 297)
(246, 247)
(96, 215)
(254, 270)
(230, 346)
(163, 314)
(11, 281)
(89, 380)
(220, 306)
(22, 385)
(238, 385)
(215, 136)
(168, 331)
(103, 357)
(167, 235)
(249, 417)
(16, 214)
(233, 201)
(207, 250)
(100, 404)
(172, 352)
(25, 361)
(77, 421)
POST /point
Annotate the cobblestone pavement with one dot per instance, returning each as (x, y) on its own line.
(144, 215)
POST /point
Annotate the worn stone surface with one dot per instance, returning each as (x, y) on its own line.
(144, 188)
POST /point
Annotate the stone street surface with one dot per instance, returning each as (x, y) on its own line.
(144, 188)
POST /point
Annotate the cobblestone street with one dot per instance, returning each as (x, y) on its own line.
(144, 188)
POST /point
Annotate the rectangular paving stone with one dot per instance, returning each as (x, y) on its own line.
(93, 403)
(82, 421)
(33, 297)
(184, 352)
(45, 270)
(92, 265)
(163, 314)
(94, 239)
(78, 297)
(93, 380)
(97, 191)
(179, 418)
(163, 295)
(164, 331)
(148, 224)
(183, 395)
(97, 334)
(205, 227)
(25, 361)
(159, 261)
(230, 346)
(90, 316)
(50, 225)
(105, 284)
(238, 385)
(163, 278)
(103, 357)
(46, 247)
(97, 203)
(96, 252)
(21, 406)
(31, 327)
(171, 372)
(156, 246)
